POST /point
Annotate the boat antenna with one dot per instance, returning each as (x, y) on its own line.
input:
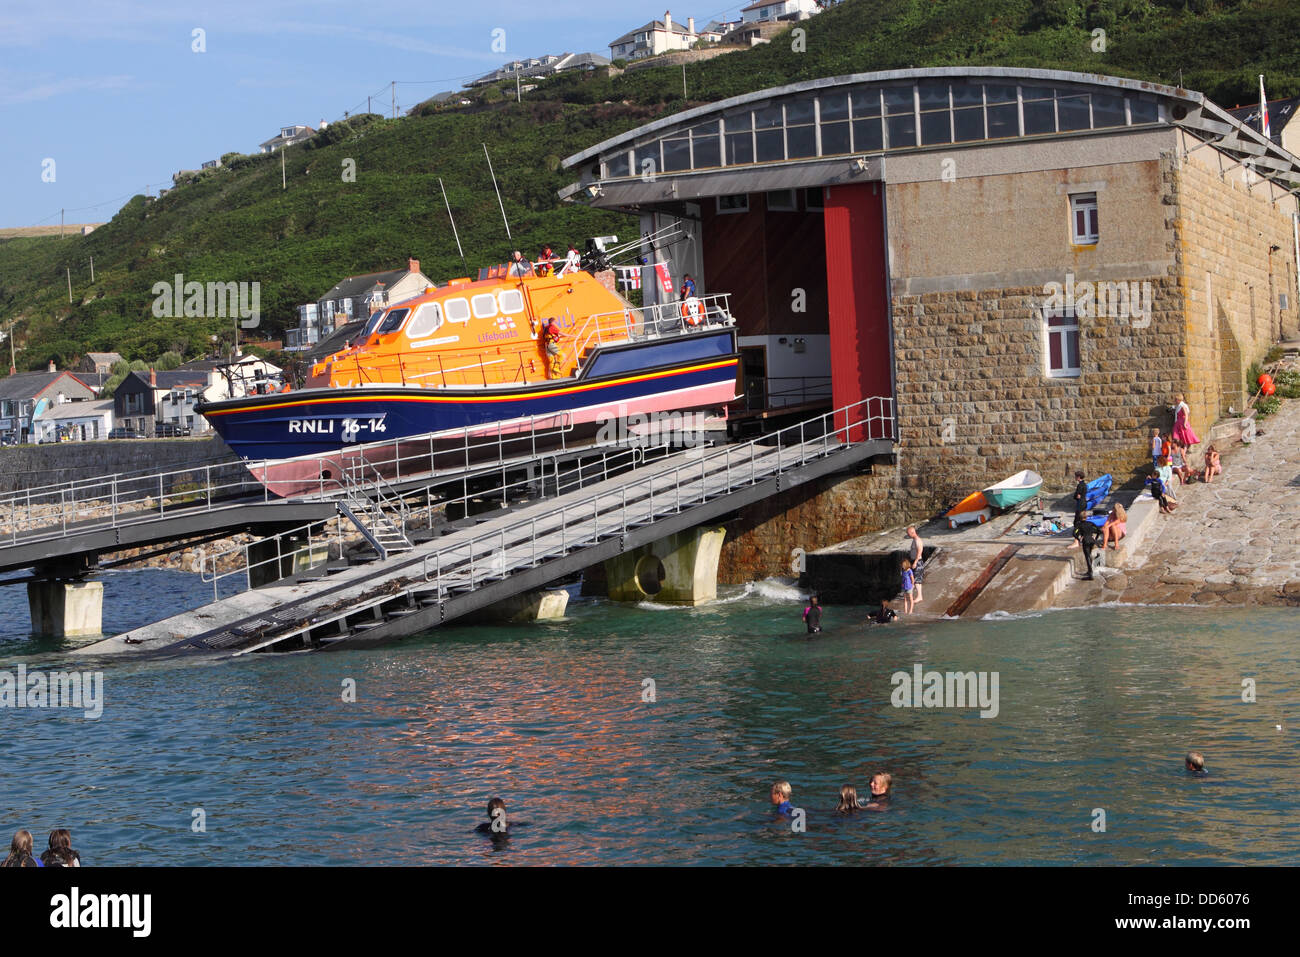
(499, 203)
(453, 226)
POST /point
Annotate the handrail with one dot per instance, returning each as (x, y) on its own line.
(829, 424)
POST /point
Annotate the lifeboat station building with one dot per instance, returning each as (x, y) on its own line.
(1031, 263)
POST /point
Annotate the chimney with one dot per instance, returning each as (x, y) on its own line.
(153, 379)
(690, 25)
(668, 20)
(413, 265)
(51, 367)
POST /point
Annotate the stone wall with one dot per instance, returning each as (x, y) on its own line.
(817, 514)
(1224, 227)
(29, 466)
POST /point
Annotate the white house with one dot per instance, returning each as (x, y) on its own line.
(655, 37)
(766, 11)
(74, 421)
(287, 137)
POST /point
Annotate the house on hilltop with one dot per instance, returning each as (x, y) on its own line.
(768, 11)
(287, 137)
(653, 38)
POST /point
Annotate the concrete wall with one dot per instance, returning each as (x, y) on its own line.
(28, 466)
(1224, 228)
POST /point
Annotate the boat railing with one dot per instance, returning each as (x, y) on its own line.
(640, 323)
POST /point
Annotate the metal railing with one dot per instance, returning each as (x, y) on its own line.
(209, 562)
(639, 323)
(468, 564)
(51, 511)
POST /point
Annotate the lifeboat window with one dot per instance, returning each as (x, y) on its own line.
(393, 320)
(372, 324)
(427, 321)
(457, 310)
(485, 305)
(511, 301)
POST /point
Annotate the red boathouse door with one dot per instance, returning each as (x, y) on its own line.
(857, 285)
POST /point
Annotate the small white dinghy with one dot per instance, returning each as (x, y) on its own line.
(1013, 490)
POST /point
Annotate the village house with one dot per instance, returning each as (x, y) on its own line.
(766, 11)
(99, 362)
(287, 136)
(75, 421)
(655, 37)
(162, 403)
(25, 395)
(546, 65)
(352, 299)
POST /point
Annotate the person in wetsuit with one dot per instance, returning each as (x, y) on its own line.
(812, 616)
(885, 615)
(1086, 534)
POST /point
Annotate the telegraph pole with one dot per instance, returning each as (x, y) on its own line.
(393, 85)
(60, 224)
(92, 268)
(283, 182)
(68, 270)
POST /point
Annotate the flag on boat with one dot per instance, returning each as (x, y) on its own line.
(665, 280)
(629, 277)
(1263, 109)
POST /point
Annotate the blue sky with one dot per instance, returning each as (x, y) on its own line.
(114, 94)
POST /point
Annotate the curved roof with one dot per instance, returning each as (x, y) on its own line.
(945, 107)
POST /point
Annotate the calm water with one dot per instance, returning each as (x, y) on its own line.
(1097, 709)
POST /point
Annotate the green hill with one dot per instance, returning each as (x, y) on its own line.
(237, 224)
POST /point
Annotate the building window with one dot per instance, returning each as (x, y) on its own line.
(735, 203)
(814, 199)
(781, 201)
(1083, 219)
(1062, 332)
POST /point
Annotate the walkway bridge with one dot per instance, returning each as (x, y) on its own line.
(626, 498)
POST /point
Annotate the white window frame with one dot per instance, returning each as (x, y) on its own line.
(516, 299)
(430, 310)
(482, 297)
(1083, 202)
(732, 209)
(1066, 371)
(450, 305)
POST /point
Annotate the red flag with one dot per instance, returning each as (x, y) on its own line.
(665, 280)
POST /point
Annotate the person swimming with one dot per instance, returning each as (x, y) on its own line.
(497, 826)
(885, 615)
(881, 784)
(781, 792)
(849, 799)
(1195, 764)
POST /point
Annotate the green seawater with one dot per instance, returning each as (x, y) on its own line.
(1096, 709)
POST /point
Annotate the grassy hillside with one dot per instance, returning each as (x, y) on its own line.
(238, 224)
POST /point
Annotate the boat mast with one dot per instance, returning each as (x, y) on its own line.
(453, 226)
(494, 186)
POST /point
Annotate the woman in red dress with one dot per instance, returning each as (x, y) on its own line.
(1183, 433)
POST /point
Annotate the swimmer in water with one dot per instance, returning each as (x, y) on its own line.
(1195, 764)
(885, 615)
(496, 825)
(849, 799)
(812, 616)
(882, 785)
(781, 792)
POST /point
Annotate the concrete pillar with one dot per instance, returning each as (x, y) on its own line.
(66, 609)
(681, 569)
(541, 604)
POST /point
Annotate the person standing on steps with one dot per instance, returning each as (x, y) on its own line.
(917, 556)
(1080, 497)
